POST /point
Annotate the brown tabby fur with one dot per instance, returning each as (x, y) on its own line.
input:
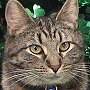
(24, 70)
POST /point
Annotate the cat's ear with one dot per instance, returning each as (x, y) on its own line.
(16, 17)
(69, 13)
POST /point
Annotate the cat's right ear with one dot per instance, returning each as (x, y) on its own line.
(68, 15)
(16, 18)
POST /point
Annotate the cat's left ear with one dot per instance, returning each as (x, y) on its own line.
(16, 17)
(68, 14)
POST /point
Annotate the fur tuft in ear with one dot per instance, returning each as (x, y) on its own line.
(69, 13)
(16, 17)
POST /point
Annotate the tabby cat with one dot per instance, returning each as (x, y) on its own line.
(45, 53)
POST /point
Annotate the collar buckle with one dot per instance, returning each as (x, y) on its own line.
(51, 88)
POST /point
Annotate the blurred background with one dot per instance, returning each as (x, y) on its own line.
(51, 6)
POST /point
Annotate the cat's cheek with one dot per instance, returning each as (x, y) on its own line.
(72, 59)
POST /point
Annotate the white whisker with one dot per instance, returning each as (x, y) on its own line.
(13, 77)
(74, 80)
(81, 71)
(73, 74)
(21, 79)
(29, 82)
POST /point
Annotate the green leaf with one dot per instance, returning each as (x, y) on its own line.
(88, 24)
(38, 11)
(29, 12)
(81, 23)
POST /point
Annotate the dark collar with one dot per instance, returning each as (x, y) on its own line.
(44, 88)
(51, 88)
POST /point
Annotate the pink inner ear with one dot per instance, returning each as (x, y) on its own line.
(16, 17)
(15, 14)
(69, 12)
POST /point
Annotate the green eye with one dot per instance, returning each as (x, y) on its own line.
(36, 49)
(64, 46)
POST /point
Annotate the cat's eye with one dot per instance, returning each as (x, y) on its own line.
(36, 49)
(64, 46)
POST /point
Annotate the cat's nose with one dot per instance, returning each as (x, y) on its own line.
(55, 68)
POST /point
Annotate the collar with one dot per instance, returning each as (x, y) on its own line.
(51, 88)
(44, 88)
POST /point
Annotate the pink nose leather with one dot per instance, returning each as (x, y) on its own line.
(55, 67)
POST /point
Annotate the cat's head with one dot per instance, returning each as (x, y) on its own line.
(45, 51)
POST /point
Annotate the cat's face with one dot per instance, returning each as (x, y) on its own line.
(47, 52)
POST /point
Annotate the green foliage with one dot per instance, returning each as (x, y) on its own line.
(84, 28)
(29, 12)
(38, 11)
(84, 2)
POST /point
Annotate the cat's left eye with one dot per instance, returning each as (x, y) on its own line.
(36, 49)
(64, 47)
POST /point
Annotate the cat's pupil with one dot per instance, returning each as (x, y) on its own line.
(64, 45)
(35, 49)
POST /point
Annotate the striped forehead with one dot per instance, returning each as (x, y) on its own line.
(45, 35)
(48, 31)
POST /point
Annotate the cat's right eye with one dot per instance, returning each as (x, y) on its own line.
(64, 46)
(36, 49)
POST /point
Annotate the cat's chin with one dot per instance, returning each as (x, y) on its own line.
(48, 84)
(56, 80)
(50, 81)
